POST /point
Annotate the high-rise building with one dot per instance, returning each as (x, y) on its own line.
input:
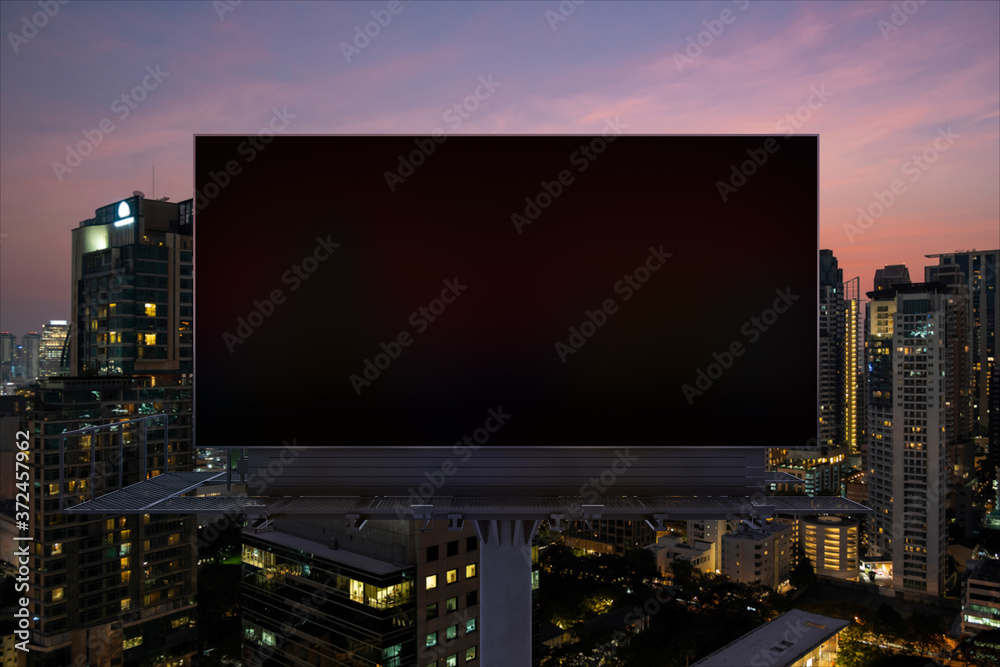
(132, 295)
(8, 358)
(117, 589)
(838, 355)
(979, 275)
(52, 356)
(108, 589)
(910, 374)
(391, 595)
(823, 470)
(31, 351)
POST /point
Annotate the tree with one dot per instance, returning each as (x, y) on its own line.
(856, 648)
(804, 574)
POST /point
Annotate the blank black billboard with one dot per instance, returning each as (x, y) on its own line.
(516, 291)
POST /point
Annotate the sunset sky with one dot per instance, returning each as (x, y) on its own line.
(880, 83)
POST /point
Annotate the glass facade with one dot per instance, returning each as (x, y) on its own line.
(298, 606)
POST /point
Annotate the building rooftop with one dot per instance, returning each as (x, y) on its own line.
(353, 560)
(986, 569)
(745, 532)
(779, 643)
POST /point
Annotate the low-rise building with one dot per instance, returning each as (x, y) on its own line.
(765, 554)
(981, 596)
(794, 639)
(831, 543)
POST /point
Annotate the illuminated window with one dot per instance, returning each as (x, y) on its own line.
(470, 654)
(58, 594)
(57, 548)
(126, 604)
(451, 661)
(431, 639)
(179, 622)
(470, 625)
(357, 590)
(431, 582)
(452, 576)
(126, 575)
(150, 310)
(147, 339)
(132, 643)
(470, 571)
(451, 604)
(451, 632)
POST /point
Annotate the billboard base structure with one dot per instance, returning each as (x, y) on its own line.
(505, 526)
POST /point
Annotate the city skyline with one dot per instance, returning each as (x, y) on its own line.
(879, 83)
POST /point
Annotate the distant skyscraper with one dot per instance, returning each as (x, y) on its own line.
(31, 351)
(979, 275)
(53, 345)
(132, 289)
(838, 354)
(8, 356)
(890, 276)
(910, 371)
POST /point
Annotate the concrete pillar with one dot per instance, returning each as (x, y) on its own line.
(505, 591)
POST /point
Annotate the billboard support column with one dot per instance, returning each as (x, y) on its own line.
(505, 591)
